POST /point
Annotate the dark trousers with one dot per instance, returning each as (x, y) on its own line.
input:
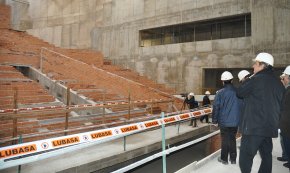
(191, 122)
(204, 117)
(286, 142)
(228, 143)
(284, 155)
(250, 144)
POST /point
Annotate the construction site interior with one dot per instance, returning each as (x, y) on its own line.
(83, 72)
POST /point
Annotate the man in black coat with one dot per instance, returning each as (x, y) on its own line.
(191, 104)
(205, 103)
(262, 94)
(285, 115)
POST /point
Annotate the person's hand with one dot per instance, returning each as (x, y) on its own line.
(215, 124)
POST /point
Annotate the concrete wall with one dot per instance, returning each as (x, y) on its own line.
(65, 23)
(181, 65)
(271, 23)
(177, 65)
(112, 26)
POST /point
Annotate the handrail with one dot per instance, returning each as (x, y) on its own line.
(27, 136)
(24, 111)
(11, 114)
(77, 129)
(21, 1)
(168, 151)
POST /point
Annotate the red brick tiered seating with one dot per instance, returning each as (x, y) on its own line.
(28, 91)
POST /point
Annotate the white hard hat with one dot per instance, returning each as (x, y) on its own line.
(287, 70)
(191, 94)
(265, 57)
(207, 93)
(242, 74)
(227, 76)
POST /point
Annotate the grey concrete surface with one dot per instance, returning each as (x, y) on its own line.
(210, 164)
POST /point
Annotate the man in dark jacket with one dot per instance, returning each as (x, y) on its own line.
(285, 115)
(226, 113)
(191, 104)
(205, 103)
(262, 96)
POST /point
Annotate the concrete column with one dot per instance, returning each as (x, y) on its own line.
(270, 20)
(20, 18)
(262, 24)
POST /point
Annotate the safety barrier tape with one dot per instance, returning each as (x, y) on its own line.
(38, 147)
(77, 106)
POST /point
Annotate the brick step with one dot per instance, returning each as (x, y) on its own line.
(121, 108)
(7, 68)
(11, 75)
(31, 98)
(21, 93)
(20, 86)
(10, 106)
(101, 97)
(50, 116)
(155, 110)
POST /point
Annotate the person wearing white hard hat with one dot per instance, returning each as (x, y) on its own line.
(262, 61)
(226, 114)
(243, 75)
(285, 116)
(205, 103)
(191, 104)
(262, 96)
(282, 77)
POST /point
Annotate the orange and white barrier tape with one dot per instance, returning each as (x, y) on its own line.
(29, 149)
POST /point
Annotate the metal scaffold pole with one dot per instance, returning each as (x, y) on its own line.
(163, 145)
(67, 113)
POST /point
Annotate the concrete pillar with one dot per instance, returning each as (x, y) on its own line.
(20, 18)
(262, 24)
(270, 20)
(270, 29)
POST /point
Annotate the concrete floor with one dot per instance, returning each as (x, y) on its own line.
(210, 164)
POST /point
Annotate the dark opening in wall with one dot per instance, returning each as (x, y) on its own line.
(59, 96)
(212, 29)
(212, 77)
(23, 69)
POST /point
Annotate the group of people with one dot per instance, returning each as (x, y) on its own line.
(257, 109)
(192, 104)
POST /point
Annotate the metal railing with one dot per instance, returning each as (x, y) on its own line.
(104, 121)
(165, 152)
